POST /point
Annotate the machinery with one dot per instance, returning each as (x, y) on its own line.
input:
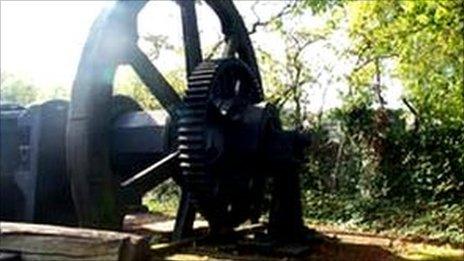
(220, 141)
(34, 186)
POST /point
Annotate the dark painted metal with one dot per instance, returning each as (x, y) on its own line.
(285, 217)
(138, 139)
(154, 174)
(234, 27)
(139, 132)
(156, 82)
(229, 144)
(11, 196)
(230, 50)
(185, 217)
(192, 45)
(113, 41)
(35, 182)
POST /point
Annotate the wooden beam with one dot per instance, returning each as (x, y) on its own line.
(47, 242)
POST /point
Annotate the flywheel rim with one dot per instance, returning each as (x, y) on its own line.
(92, 180)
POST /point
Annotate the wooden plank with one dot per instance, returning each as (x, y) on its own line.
(164, 248)
(47, 242)
(6, 256)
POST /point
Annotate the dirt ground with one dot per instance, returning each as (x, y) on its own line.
(335, 245)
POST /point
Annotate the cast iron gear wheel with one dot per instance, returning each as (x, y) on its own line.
(218, 91)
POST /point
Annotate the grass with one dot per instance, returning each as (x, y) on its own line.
(426, 252)
(163, 199)
(435, 223)
(431, 222)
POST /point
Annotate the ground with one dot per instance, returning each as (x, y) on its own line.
(335, 245)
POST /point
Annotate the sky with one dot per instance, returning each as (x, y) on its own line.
(43, 40)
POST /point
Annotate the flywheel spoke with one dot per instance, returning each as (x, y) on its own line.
(155, 81)
(231, 46)
(192, 45)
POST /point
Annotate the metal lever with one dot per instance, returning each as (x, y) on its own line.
(156, 168)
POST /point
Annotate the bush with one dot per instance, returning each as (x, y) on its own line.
(386, 176)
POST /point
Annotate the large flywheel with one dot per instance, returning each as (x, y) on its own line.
(220, 142)
(112, 41)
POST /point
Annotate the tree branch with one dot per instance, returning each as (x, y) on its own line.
(287, 9)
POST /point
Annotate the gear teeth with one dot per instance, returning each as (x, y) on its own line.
(190, 147)
(195, 104)
(188, 157)
(199, 83)
(192, 165)
(195, 97)
(191, 129)
(190, 121)
(198, 90)
(204, 71)
(193, 113)
(196, 172)
(187, 139)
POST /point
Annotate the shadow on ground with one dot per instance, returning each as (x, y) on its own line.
(332, 251)
(324, 246)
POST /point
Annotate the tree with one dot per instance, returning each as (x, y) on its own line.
(17, 90)
(424, 39)
(290, 79)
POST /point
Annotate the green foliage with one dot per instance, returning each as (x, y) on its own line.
(388, 174)
(17, 90)
(439, 222)
(288, 79)
(163, 199)
(318, 6)
(425, 40)
(55, 92)
(128, 83)
(435, 163)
